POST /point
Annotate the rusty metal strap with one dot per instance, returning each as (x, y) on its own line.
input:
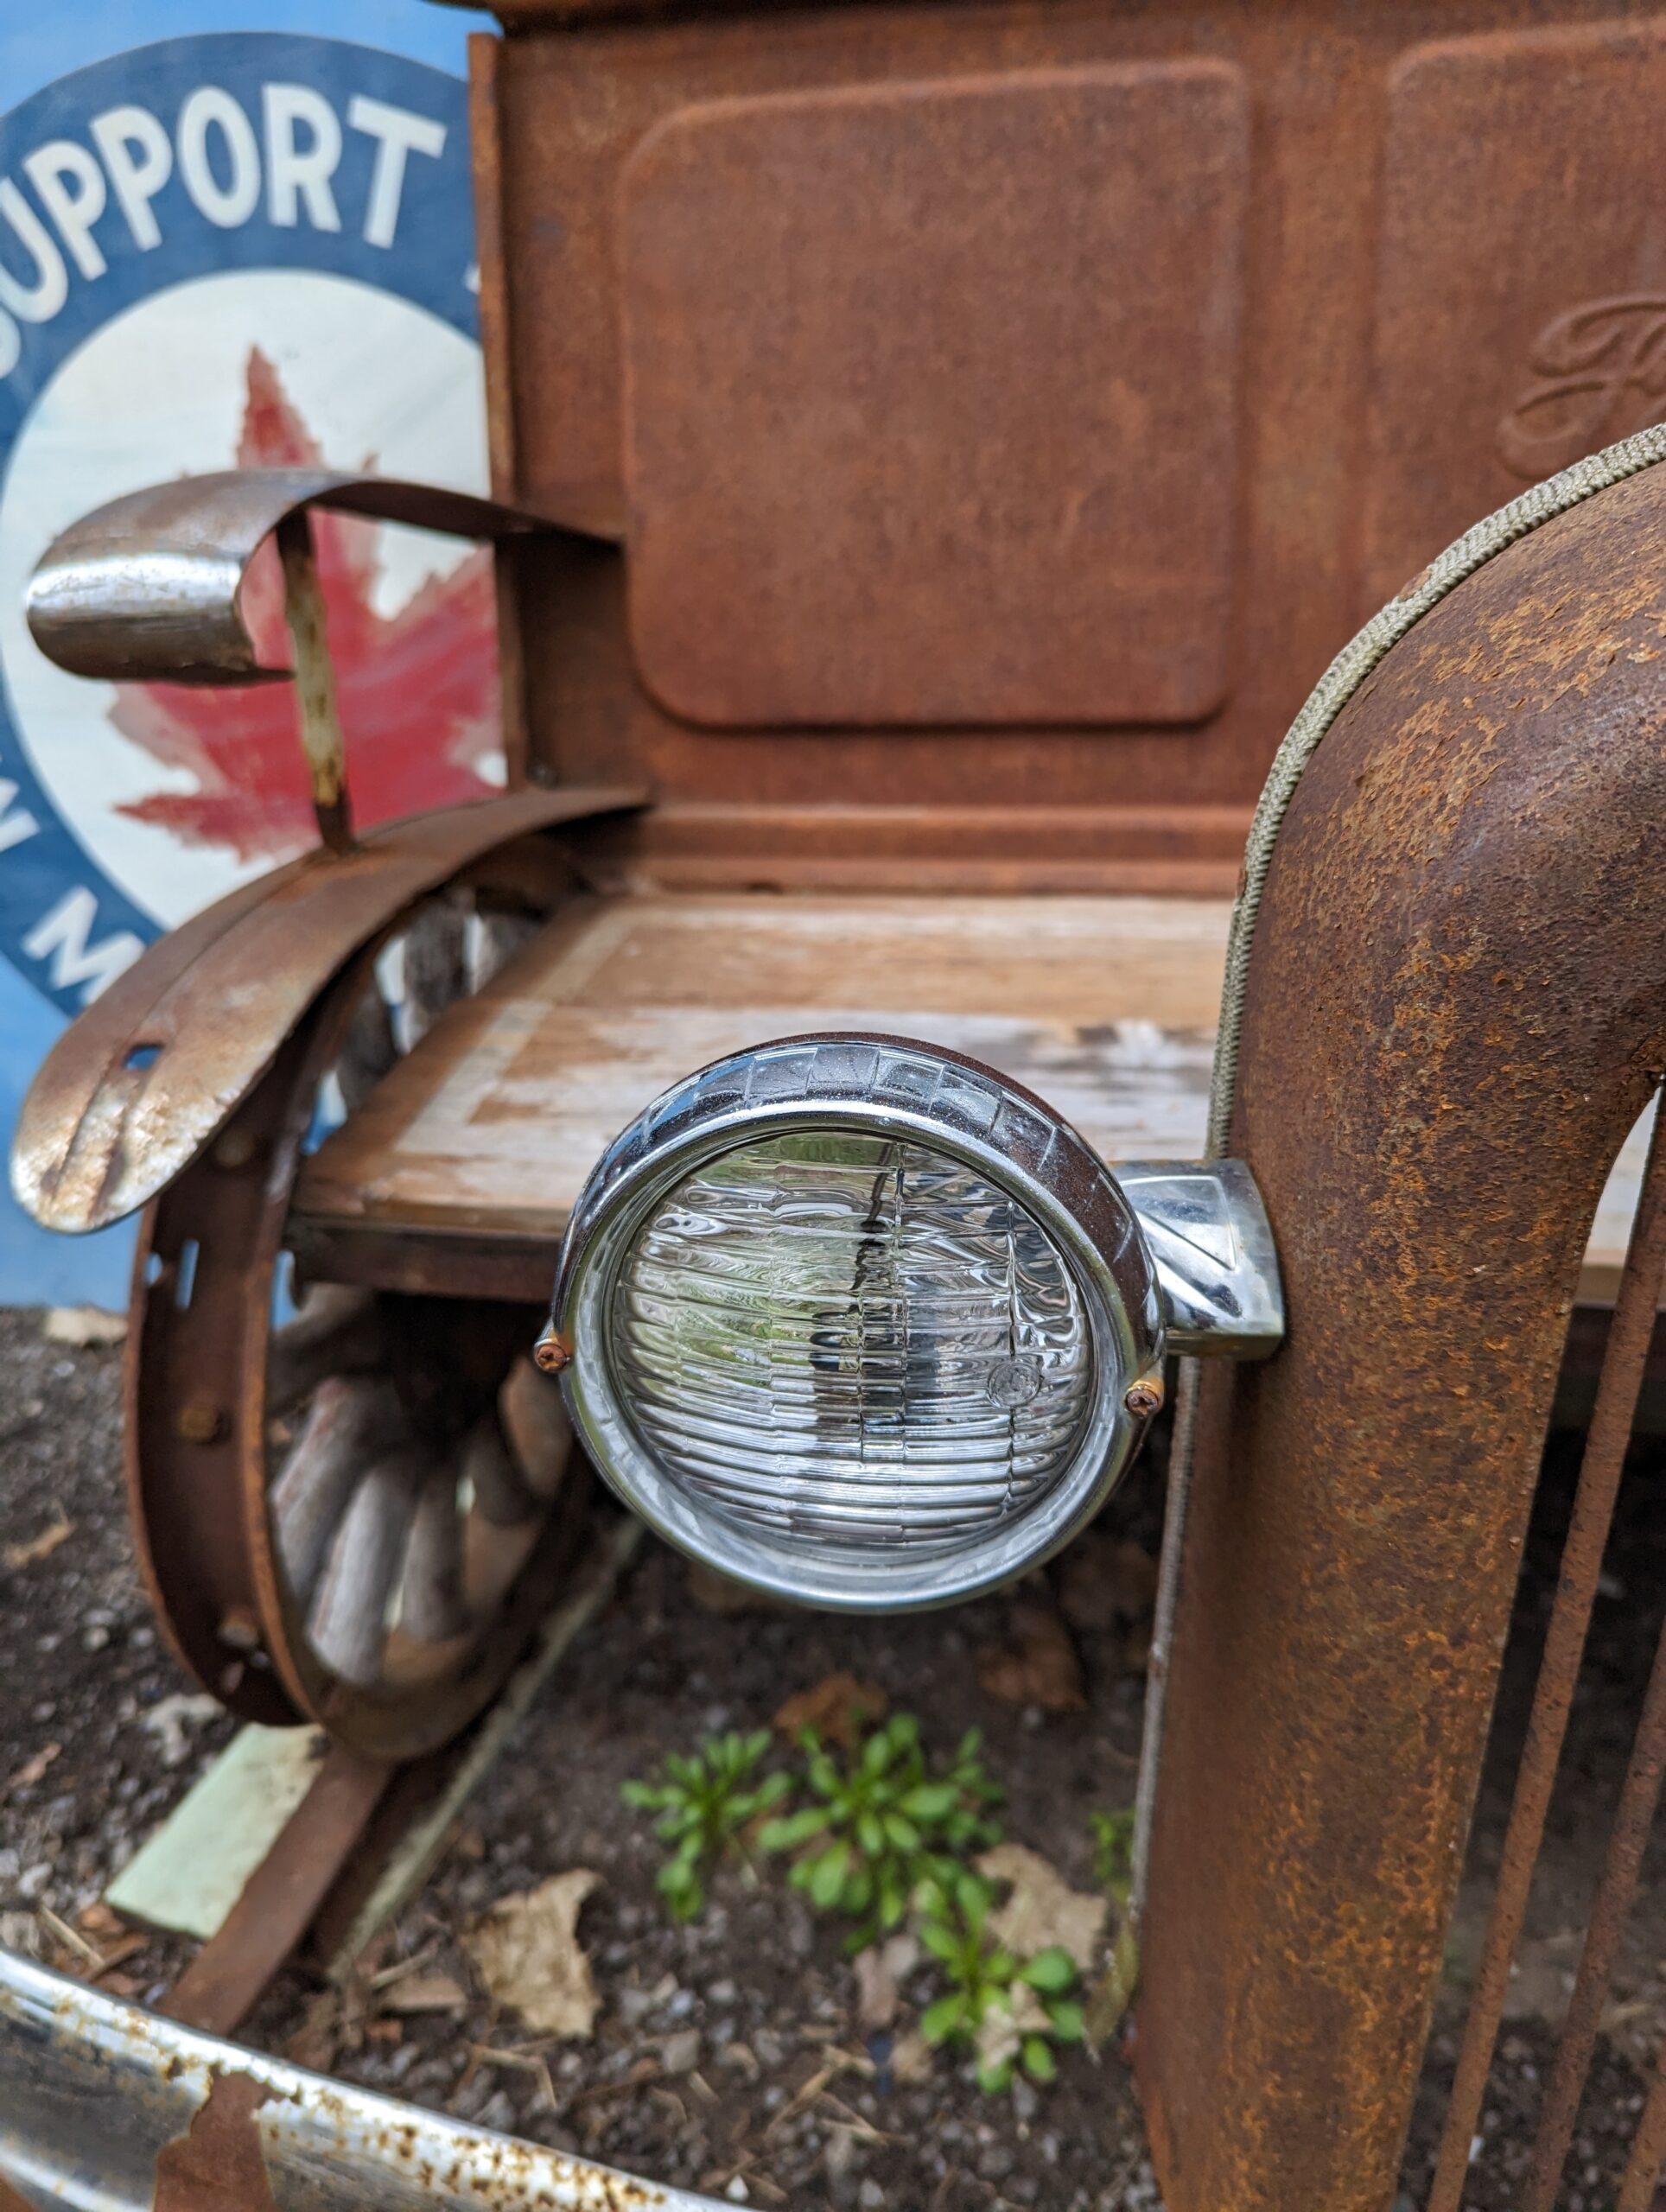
(1351, 666)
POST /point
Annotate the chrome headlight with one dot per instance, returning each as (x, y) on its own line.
(860, 1322)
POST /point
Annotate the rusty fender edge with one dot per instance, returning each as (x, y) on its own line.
(108, 2108)
(141, 1082)
(1455, 1008)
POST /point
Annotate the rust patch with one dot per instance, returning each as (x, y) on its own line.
(218, 2165)
(1456, 1010)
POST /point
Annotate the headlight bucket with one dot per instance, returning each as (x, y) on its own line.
(1026, 1176)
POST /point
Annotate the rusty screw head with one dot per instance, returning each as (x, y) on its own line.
(1144, 1397)
(552, 1351)
(201, 1424)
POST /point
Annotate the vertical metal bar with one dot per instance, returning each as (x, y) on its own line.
(487, 63)
(1628, 1336)
(1636, 2190)
(314, 681)
(1626, 1842)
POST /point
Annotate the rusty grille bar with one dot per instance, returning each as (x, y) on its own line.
(1641, 1287)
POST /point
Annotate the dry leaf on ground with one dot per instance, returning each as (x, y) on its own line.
(1037, 1666)
(82, 1325)
(42, 1546)
(1042, 1909)
(838, 1707)
(879, 1970)
(1105, 1581)
(529, 1954)
(910, 2058)
(1001, 2031)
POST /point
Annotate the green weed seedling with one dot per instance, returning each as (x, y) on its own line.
(704, 1804)
(882, 1824)
(1113, 1853)
(1009, 2012)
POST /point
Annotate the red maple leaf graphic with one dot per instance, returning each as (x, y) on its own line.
(418, 691)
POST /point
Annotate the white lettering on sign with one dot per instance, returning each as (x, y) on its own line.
(16, 825)
(295, 173)
(139, 160)
(208, 108)
(71, 187)
(397, 133)
(41, 301)
(61, 938)
(222, 160)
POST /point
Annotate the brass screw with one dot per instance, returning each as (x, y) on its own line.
(1144, 1398)
(552, 1352)
(201, 1424)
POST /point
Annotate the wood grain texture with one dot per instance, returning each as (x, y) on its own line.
(1105, 1007)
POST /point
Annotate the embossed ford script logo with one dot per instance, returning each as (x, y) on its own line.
(1596, 373)
(237, 249)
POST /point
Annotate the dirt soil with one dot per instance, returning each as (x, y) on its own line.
(729, 2056)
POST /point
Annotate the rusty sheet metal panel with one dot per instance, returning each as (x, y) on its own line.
(135, 1087)
(1350, 360)
(939, 384)
(103, 2106)
(1456, 1009)
(1521, 304)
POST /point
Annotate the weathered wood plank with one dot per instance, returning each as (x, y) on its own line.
(1106, 1006)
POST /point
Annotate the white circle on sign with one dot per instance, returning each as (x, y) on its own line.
(161, 390)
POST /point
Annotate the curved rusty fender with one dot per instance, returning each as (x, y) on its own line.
(149, 587)
(1455, 1009)
(136, 1086)
(104, 2105)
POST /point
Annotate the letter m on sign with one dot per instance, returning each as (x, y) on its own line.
(62, 937)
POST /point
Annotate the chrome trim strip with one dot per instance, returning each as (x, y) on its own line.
(108, 2108)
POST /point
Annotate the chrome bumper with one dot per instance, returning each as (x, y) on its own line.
(108, 2108)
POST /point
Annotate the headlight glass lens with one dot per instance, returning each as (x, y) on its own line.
(851, 1341)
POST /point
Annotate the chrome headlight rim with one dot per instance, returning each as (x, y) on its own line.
(902, 1090)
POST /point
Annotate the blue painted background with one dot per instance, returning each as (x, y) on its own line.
(38, 47)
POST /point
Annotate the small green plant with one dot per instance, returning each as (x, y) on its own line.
(883, 1824)
(1010, 2012)
(1113, 1853)
(704, 1804)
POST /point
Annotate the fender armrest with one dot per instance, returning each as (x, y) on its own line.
(147, 589)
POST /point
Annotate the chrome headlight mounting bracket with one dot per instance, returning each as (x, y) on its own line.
(1165, 1257)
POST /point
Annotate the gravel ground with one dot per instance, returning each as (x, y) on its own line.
(731, 2055)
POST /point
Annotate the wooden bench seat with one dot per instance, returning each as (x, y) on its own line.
(460, 1171)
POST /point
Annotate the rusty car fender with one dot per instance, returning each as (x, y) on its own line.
(1454, 1009)
(138, 1085)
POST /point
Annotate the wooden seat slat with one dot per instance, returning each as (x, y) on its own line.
(483, 1134)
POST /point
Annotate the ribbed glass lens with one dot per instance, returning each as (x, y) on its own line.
(854, 1342)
